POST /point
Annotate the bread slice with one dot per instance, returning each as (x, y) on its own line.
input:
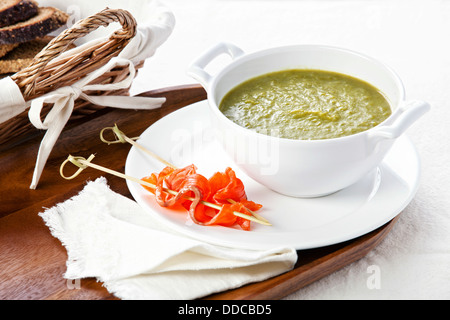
(5, 48)
(14, 11)
(23, 55)
(47, 20)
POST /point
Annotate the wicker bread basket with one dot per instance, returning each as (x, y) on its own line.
(49, 71)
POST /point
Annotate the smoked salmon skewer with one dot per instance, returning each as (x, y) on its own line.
(224, 190)
(229, 198)
(181, 196)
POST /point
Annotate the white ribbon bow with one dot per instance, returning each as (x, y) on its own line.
(63, 100)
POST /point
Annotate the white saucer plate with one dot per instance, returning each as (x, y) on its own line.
(185, 137)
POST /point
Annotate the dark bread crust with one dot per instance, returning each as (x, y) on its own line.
(48, 19)
(17, 11)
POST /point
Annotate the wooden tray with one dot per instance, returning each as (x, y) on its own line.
(32, 261)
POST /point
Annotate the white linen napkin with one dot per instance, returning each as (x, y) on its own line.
(111, 238)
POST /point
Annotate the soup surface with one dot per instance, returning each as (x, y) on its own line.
(306, 105)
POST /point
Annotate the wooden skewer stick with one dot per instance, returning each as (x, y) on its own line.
(83, 163)
(122, 138)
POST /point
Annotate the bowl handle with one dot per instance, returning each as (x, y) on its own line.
(197, 68)
(402, 119)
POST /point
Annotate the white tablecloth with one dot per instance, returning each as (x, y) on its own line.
(410, 36)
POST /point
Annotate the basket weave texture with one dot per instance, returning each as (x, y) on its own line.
(49, 71)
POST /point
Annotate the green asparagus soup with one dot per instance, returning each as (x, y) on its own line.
(306, 105)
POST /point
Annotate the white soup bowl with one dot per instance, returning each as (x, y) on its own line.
(304, 168)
